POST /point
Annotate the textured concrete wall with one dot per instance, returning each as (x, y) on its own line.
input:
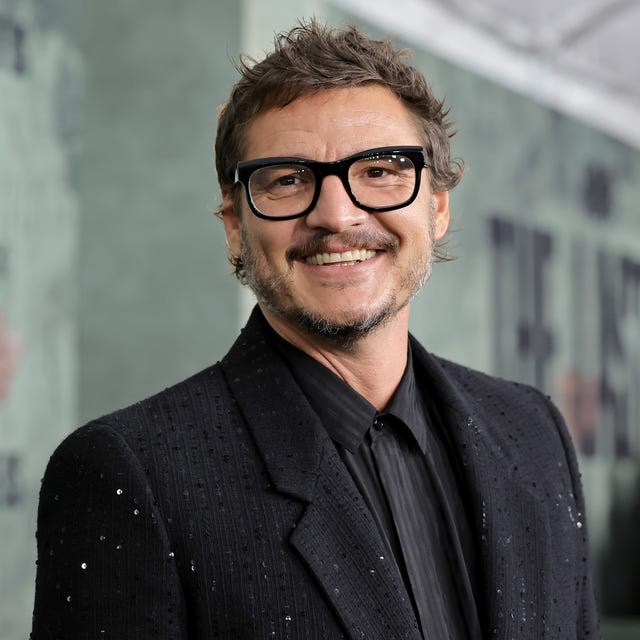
(40, 80)
(156, 299)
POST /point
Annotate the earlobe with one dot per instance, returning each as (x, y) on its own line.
(231, 223)
(441, 215)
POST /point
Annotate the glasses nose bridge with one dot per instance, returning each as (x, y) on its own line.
(339, 168)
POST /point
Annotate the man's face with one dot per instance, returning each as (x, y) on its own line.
(348, 297)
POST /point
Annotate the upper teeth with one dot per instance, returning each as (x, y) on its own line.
(355, 255)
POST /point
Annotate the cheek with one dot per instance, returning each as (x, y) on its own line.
(417, 230)
(268, 239)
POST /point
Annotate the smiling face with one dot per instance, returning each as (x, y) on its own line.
(339, 271)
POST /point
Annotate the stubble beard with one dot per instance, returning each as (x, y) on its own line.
(274, 292)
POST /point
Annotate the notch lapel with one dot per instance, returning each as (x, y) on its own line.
(339, 541)
(336, 535)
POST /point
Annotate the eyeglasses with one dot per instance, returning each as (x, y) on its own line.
(379, 179)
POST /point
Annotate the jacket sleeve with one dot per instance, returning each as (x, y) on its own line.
(105, 566)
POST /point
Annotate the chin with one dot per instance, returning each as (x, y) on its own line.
(342, 329)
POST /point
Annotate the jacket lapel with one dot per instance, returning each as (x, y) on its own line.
(511, 524)
(336, 535)
(339, 541)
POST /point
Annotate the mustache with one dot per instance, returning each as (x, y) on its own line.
(352, 238)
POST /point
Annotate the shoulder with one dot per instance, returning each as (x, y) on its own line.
(157, 449)
(162, 419)
(508, 409)
(477, 387)
(199, 394)
(516, 406)
(514, 417)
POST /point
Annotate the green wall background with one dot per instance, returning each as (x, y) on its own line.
(40, 75)
(156, 299)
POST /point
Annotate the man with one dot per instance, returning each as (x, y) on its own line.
(329, 478)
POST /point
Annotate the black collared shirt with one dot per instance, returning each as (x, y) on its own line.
(406, 475)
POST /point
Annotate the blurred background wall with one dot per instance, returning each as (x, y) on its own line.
(40, 105)
(113, 273)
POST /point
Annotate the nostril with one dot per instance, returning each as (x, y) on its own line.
(334, 209)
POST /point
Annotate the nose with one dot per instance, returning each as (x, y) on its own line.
(334, 210)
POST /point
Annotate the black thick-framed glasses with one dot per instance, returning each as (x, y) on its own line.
(380, 179)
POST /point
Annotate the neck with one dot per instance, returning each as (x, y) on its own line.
(373, 365)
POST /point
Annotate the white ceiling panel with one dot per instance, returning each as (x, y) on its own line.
(581, 57)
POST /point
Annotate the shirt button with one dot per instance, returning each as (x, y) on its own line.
(378, 424)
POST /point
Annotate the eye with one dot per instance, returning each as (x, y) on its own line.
(375, 172)
(288, 180)
(381, 170)
(280, 179)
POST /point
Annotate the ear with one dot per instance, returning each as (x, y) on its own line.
(441, 215)
(231, 221)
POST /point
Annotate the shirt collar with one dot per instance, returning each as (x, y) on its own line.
(407, 405)
(345, 414)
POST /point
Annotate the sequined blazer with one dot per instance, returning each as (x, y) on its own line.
(220, 508)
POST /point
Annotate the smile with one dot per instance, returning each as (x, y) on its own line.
(356, 255)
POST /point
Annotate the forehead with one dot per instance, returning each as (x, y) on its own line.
(332, 124)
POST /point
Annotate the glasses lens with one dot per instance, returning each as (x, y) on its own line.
(383, 180)
(282, 189)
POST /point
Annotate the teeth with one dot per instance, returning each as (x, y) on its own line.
(355, 255)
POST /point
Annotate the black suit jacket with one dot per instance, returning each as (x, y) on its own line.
(220, 508)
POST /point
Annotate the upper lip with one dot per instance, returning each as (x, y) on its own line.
(340, 244)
